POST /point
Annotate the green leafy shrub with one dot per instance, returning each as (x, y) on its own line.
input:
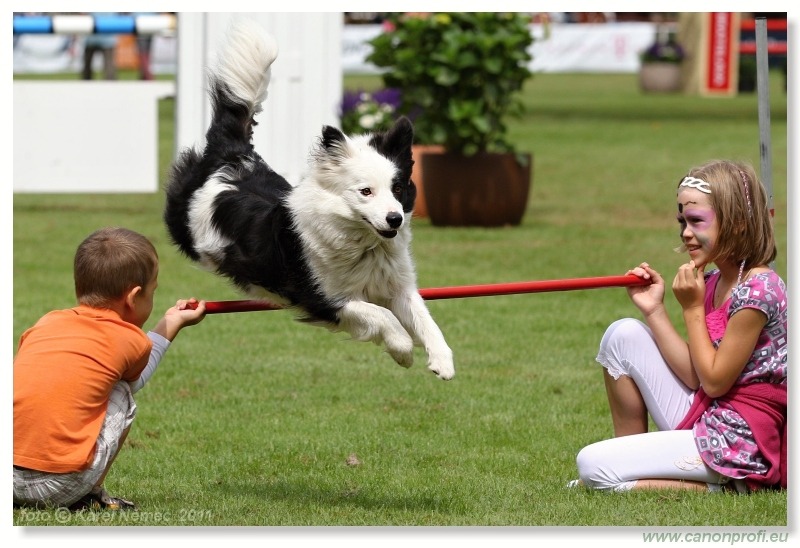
(459, 73)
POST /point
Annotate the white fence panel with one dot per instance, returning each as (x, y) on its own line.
(77, 136)
(304, 93)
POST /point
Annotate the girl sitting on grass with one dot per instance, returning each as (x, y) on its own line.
(719, 400)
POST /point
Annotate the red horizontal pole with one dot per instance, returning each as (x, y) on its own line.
(775, 48)
(539, 286)
(220, 307)
(458, 292)
(772, 24)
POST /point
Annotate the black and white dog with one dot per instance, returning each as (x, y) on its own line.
(335, 247)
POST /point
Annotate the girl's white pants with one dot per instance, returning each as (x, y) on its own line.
(628, 349)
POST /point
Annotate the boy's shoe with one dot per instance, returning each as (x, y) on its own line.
(101, 500)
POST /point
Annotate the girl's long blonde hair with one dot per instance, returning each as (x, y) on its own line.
(741, 205)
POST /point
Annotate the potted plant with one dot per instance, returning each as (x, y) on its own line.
(660, 69)
(460, 75)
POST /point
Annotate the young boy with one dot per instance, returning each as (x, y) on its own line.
(76, 370)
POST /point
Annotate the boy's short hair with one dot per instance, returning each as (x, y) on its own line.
(110, 262)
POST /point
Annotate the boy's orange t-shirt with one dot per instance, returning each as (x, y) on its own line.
(65, 368)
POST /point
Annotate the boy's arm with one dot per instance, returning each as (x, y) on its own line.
(176, 318)
(160, 346)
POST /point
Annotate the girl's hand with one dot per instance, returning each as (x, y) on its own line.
(689, 286)
(647, 298)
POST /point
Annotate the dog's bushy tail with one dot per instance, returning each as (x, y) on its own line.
(240, 76)
(238, 83)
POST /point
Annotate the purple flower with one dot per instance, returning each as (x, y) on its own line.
(668, 52)
(352, 98)
(365, 111)
(388, 96)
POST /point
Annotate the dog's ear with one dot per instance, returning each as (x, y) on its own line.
(331, 147)
(400, 135)
(395, 143)
(332, 137)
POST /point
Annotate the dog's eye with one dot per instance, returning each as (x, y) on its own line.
(365, 191)
(397, 189)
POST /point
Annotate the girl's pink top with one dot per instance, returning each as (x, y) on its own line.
(739, 435)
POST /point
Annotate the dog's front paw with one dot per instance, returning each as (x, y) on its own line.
(400, 347)
(442, 366)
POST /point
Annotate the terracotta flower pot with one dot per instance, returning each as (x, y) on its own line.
(417, 152)
(488, 189)
(660, 77)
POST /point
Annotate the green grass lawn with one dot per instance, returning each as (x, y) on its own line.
(254, 419)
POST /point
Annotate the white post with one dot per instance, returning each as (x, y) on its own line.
(304, 93)
(762, 79)
(762, 74)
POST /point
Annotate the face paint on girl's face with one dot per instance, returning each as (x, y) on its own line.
(699, 224)
(699, 221)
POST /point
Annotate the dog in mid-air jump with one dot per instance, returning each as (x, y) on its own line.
(335, 247)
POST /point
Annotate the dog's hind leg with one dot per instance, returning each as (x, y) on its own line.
(410, 309)
(369, 322)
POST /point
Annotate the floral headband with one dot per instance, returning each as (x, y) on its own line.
(699, 184)
(703, 186)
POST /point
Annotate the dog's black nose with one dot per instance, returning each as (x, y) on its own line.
(394, 219)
